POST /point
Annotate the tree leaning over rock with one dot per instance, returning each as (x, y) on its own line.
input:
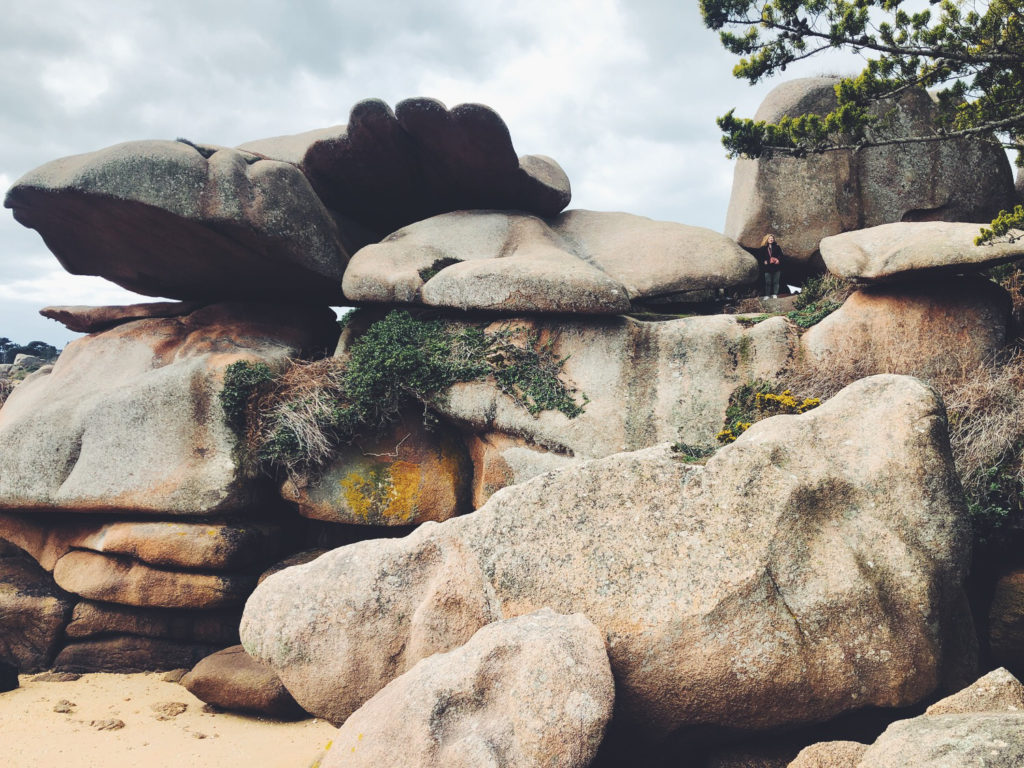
(971, 51)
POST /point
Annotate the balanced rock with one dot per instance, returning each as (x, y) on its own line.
(803, 200)
(531, 691)
(406, 476)
(33, 612)
(234, 680)
(918, 249)
(754, 592)
(388, 169)
(169, 218)
(578, 262)
(130, 420)
(924, 329)
(82, 319)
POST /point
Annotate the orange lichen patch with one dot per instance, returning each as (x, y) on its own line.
(383, 493)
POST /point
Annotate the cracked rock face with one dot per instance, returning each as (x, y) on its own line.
(169, 218)
(130, 421)
(580, 262)
(809, 569)
(534, 691)
(387, 169)
(803, 200)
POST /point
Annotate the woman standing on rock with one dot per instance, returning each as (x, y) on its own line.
(771, 256)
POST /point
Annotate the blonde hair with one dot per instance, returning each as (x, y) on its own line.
(764, 240)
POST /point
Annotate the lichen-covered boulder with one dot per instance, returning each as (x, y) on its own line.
(535, 691)
(169, 218)
(234, 680)
(912, 250)
(407, 475)
(813, 567)
(803, 200)
(580, 262)
(925, 328)
(387, 169)
(130, 420)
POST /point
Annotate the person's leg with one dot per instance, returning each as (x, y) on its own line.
(776, 279)
(767, 284)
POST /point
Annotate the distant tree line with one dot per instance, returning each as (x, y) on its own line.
(11, 349)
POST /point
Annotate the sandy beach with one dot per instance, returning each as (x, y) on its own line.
(115, 721)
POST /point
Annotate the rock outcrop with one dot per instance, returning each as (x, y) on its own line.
(913, 251)
(925, 328)
(33, 612)
(129, 420)
(169, 218)
(811, 568)
(83, 319)
(803, 200)
(1006, 620)
(388, 169)
(580, 262)
(531, 691)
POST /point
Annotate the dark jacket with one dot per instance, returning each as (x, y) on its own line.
(763, 257)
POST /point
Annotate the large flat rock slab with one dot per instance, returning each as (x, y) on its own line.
(580, 262)
(169, 218)
(386, 169)
(909, 250)
(130, 420)
(813, 567)
(803, 200)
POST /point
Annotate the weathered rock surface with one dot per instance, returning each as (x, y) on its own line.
(830, 754)
(167, 543)
(82, 319)
(129, 420)
(234, 680)
(579, 262)
(8, 677)
(408, 475)
(33, 612)
(123, 580)
(530, 691)
(647, 382)
(812, 567)
(803, 200)
(925, 329)
(388, 169)
(918, 249)
(91, 619)
(501, 460)
(166, 218)
(1006, 621)
(980, 725)
(998, 691)
(130, 653)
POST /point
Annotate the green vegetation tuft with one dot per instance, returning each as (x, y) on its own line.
(428, 272)
(813, 313)
(756, 400)
(297, 421)
(692, 454)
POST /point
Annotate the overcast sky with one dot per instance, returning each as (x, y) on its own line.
(622, 93)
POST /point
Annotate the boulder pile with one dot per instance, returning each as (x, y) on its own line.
(484, 522)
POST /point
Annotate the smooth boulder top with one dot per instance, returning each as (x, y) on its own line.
(813, 567)
(184, 221)
(582, 262)
(534, 691)
(387, 169)
(903, 249)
